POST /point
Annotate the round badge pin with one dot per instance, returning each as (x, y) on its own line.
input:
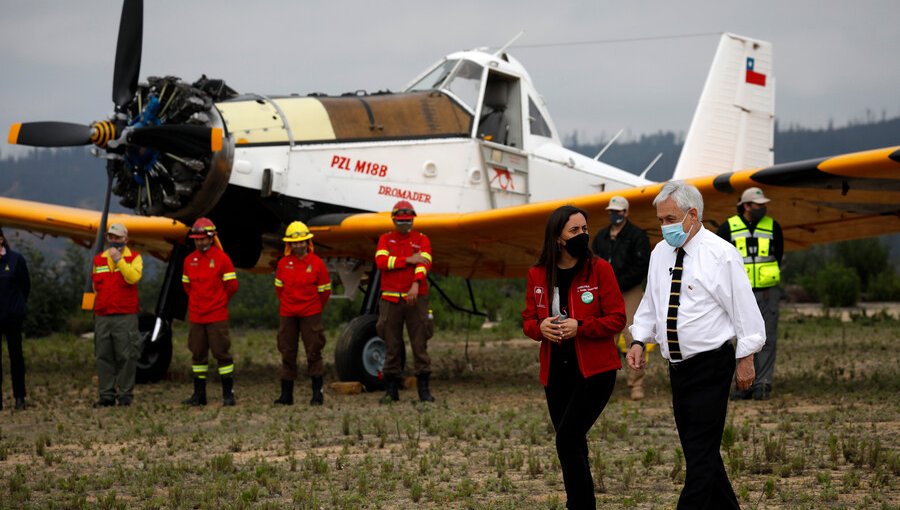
(587, 297)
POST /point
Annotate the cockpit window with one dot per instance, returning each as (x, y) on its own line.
(461, 77)
(536, 123)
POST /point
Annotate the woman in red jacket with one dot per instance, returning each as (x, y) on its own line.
(575, 309)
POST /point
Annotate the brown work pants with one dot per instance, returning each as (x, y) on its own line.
(205, 337)
(391, 317)
(313, 334)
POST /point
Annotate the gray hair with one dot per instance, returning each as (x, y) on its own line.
(686, 197)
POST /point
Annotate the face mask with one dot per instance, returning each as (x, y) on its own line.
(674, 234)
(577, 246)
(757, 213)
(117, 246)
(616, 218)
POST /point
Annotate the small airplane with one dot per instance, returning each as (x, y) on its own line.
(469, 142)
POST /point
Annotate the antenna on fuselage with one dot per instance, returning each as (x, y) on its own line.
(608, 145)
(507, 45)
(644, 173)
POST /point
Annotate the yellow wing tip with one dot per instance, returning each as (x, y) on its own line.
(14, 133)
(87, 301)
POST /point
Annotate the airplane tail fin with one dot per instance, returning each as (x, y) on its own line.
(734, 124)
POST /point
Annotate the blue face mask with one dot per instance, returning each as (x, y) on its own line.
(674, 234)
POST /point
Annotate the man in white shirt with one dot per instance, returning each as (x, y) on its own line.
(695, 305)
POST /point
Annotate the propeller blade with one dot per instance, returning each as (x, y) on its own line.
(184, 140)
(128, 53)
(49, 134)
(87, 299)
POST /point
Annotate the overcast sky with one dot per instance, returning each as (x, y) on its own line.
(833, 59)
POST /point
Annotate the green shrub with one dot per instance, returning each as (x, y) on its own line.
(837, 285)
(885, 286)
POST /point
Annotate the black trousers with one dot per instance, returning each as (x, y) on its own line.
(700, 388)
(12, 330)
(575, 404)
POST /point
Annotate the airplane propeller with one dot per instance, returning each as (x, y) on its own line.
(135, 136)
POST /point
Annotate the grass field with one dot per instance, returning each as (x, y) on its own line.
(830, 437)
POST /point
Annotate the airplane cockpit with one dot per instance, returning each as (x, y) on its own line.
(490, 88)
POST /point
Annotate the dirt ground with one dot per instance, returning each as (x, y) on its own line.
(827, 439)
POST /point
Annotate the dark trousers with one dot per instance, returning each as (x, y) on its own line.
(764, 360)
(214, 337)
(310, 329)
(700, 387)
(391, 318)
(575, 404)
(116, 349)
(11, 329)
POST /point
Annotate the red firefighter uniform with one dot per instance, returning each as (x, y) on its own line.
(302, 284)
(396, 275)
(115, 284)
(209, 281)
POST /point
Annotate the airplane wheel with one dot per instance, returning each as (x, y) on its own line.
(360, 352)
(156, 356)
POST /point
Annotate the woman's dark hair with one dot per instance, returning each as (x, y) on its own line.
(550, 255)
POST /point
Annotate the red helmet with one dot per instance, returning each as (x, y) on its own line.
(203, 227)
(403, 210)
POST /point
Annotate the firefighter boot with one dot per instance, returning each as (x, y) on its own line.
(391, 390)
(636, 382)
(228, 391)
(199, 396)
(422, 385)
(318, 396)
(287, 393)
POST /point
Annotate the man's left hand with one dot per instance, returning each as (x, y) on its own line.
(745, 373)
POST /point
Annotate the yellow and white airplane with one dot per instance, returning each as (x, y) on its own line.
(469, 142)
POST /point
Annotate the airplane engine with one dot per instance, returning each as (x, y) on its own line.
(182, 184)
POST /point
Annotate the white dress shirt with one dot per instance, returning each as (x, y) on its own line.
(715, 305)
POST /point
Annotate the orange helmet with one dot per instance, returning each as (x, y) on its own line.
(403, 210)
(203, 227)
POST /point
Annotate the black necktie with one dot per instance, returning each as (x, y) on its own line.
(672, 315)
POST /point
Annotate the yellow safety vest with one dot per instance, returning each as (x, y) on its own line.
(761, 266)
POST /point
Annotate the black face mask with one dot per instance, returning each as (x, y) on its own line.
(578, 246)
(757, 213)
(616, 218)
(117, 246)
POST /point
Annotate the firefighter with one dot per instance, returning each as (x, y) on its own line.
(116, 273)
(209, 281)
(303, 287)
(404, 257)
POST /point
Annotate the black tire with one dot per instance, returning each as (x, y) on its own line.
(156, 356)
(359, 353)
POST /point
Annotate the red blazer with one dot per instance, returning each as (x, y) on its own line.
(595, 301)
(209, 281)
(302, 284)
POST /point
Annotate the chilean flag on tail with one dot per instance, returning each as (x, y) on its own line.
(752, 76)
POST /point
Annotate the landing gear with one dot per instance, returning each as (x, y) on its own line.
(360, 352)
(155, 356)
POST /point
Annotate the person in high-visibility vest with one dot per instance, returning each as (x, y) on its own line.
(303, 287)
(404, 258)
(115, 275)
(759, 240)
(209, 281)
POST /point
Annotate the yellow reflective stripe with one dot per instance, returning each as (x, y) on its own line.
(229, 276)
(323, 288)
(394, 294)
(382, 252)
(101, 269)
(422, 270)
(200, 368)
(391, 262)
(279, 283)
(227, 369)
(426, 256)
(185, 279)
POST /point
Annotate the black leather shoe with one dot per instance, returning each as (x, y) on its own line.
(762, 392)
(20, 403)
(741, 395)
(104, 402)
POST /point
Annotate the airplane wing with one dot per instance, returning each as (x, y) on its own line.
(817, 201)
(154, 235)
